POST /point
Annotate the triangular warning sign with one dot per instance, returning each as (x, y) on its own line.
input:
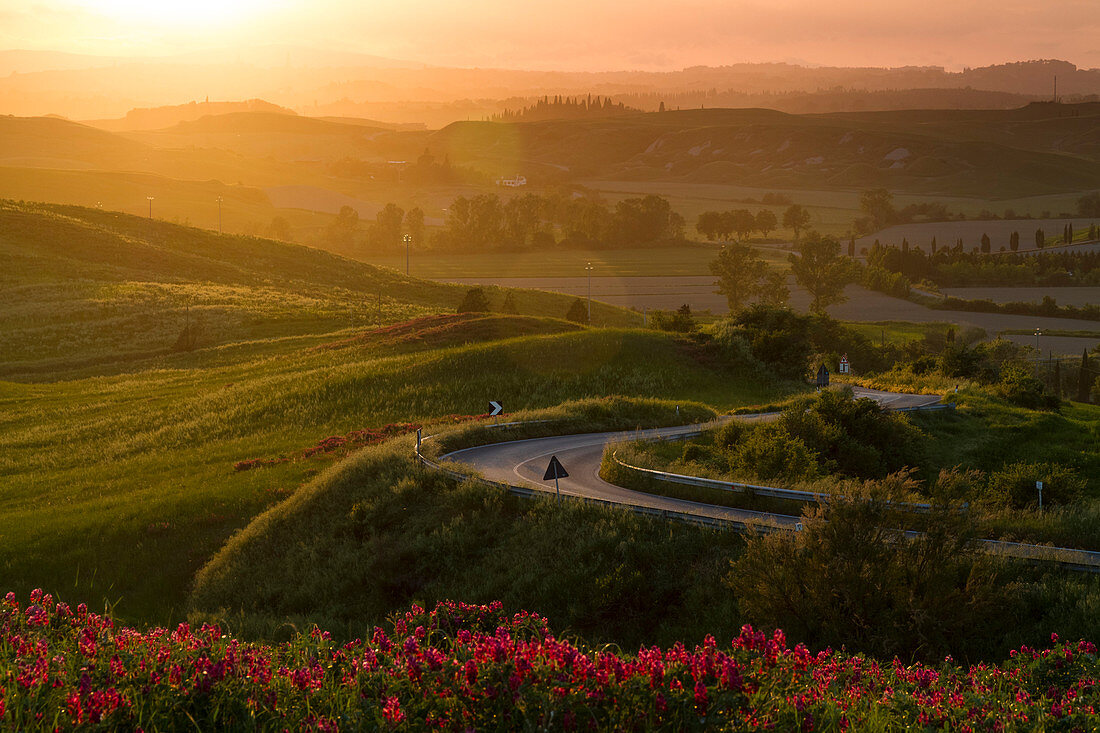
(554, 470)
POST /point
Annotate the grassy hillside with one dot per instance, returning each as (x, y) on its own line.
(768, 148)
(145, 462)
(83, 287)
(109, 432)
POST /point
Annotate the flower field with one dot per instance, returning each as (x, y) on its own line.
(462, 667)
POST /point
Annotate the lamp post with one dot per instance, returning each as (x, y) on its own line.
(408, 240)
(150, 206)
(219, 215)
(1038, 353)
(588, 269)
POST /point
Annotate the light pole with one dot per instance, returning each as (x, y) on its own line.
(219, 215)
(588, 269)
(150, 206)
(1038, 353)
(408, 240)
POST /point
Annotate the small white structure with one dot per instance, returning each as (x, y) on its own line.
(513, 182)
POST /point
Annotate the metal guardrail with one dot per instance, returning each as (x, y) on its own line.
(1069, 558)
(529, 492)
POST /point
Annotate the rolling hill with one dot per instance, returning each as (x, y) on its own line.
(992, 154)
(85, 290)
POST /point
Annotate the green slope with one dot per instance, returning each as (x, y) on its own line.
(83, 287)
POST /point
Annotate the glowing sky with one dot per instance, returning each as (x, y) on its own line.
(578, 34)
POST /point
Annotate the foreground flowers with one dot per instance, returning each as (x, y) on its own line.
(461, 667)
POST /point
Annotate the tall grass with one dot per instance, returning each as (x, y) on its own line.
(144, 462)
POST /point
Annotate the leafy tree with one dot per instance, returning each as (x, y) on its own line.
(475, 301)
(279, 229)
(777, 337)
(414, 224)
(341, 231)
(1089, 204)
(386, 231)
(521, 218)
(740, 273)
(740, 221)
(820, 269)
(509, 306)
(766, 221)
(773, 289)
(852, 247)
(709, 224)
(578, 312)
(878, 205)
(796, 219)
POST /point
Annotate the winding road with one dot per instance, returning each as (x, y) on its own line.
(523, 462)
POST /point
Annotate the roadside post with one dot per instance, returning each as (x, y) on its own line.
(555, 471)
(1039, 486)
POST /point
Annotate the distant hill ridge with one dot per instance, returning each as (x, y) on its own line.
(155, 118)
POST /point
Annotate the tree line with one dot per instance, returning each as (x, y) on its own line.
(486, 222)
(954, 267)
(742, 222)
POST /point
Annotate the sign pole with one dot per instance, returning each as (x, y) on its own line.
(558, 490)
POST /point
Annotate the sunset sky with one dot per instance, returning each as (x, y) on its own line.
(577, 34)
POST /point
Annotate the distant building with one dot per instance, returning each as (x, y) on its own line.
(514, 182)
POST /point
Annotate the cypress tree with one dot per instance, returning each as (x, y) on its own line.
(933, 245)
(1014, 241)
(985, 243)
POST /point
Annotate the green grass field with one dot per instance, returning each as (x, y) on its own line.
(117, 452)
(685, 260)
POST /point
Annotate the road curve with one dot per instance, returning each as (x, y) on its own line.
(523, 463)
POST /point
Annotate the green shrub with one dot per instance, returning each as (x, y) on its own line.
(842, 580)
(475, 301)
(855, 437)
(769, 452)
(1020, 387)
(1014, 485)
(729, 435)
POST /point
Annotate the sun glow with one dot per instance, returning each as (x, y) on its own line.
(168, 14)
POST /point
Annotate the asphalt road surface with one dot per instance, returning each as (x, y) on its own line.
(523, 463)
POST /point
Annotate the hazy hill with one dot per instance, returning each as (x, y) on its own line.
(50, 142)
(335, 87)
(990, 154)
(157, 118)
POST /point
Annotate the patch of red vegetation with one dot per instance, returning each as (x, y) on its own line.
(452, 328)
(352, 440)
